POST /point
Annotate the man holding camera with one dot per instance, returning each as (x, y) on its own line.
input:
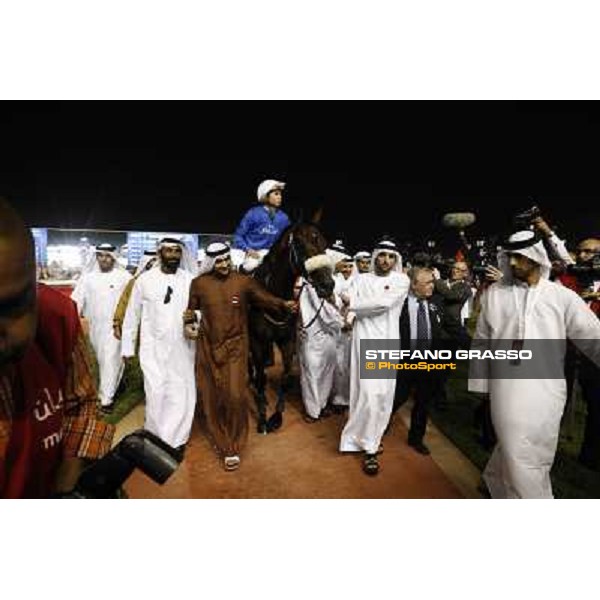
(584, 278)
(554, 246)
(454, 291)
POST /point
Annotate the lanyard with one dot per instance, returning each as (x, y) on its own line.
(531, 298)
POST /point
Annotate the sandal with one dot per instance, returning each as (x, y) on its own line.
(370, 464)
(231, 463)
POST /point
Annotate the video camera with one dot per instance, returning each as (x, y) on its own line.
(479, 255)
(588, 272)
(525, 219)
(432, 261)
(484, 255)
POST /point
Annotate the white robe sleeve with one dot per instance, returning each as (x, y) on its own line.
(371, 304)
(78, 296)
(561, 249)
(310, 304)
(350, 318)
(331, 316)
(131, 321)
(478, 369)
(583, 327)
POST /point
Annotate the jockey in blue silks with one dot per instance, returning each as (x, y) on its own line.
(261, 225)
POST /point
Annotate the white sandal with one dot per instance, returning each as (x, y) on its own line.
(231, 463)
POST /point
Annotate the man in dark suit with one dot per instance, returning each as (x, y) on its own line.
(423, 326)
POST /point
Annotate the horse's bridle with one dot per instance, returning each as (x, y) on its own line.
(297, 258)
(298, 261)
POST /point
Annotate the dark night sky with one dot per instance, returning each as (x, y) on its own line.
(194, 166)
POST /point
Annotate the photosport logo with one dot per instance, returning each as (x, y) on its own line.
(484, 359)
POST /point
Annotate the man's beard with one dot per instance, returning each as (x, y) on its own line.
(172, 265)
(517, 274)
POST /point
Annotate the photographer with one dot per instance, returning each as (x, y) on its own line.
(584, 278)
(454, 291)
(555, 247)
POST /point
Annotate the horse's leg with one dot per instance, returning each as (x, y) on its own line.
(287, 354)
(286, 348)
(260, 380)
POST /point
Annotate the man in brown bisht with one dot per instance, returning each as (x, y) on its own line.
(223, 297)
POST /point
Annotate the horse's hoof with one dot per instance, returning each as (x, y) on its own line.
(262, 428)
(275, 422)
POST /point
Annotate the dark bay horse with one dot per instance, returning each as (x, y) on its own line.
(299, 251)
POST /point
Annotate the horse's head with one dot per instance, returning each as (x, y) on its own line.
(307, 252)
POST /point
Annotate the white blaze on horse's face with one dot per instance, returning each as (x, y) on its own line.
(319, 261)
(319, 270)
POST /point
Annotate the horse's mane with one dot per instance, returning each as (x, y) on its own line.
(270, 259)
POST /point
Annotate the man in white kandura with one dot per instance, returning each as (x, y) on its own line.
(96, 299)
(376, 299)
(345, 272)
(524, 306)
(159, 299)
(320, 322)
(362, 260)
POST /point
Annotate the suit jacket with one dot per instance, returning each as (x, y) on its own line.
(444, 330)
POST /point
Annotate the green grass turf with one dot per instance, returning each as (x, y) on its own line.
(130, 392)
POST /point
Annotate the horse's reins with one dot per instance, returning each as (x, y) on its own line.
(299, 264)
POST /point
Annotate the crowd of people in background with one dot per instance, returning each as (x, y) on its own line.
(188, 322)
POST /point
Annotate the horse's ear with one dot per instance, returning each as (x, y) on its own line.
(317, 216)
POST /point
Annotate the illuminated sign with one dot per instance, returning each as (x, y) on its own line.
(40, 237)
(140, 241)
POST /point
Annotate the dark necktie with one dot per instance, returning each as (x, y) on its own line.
(422, 331)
